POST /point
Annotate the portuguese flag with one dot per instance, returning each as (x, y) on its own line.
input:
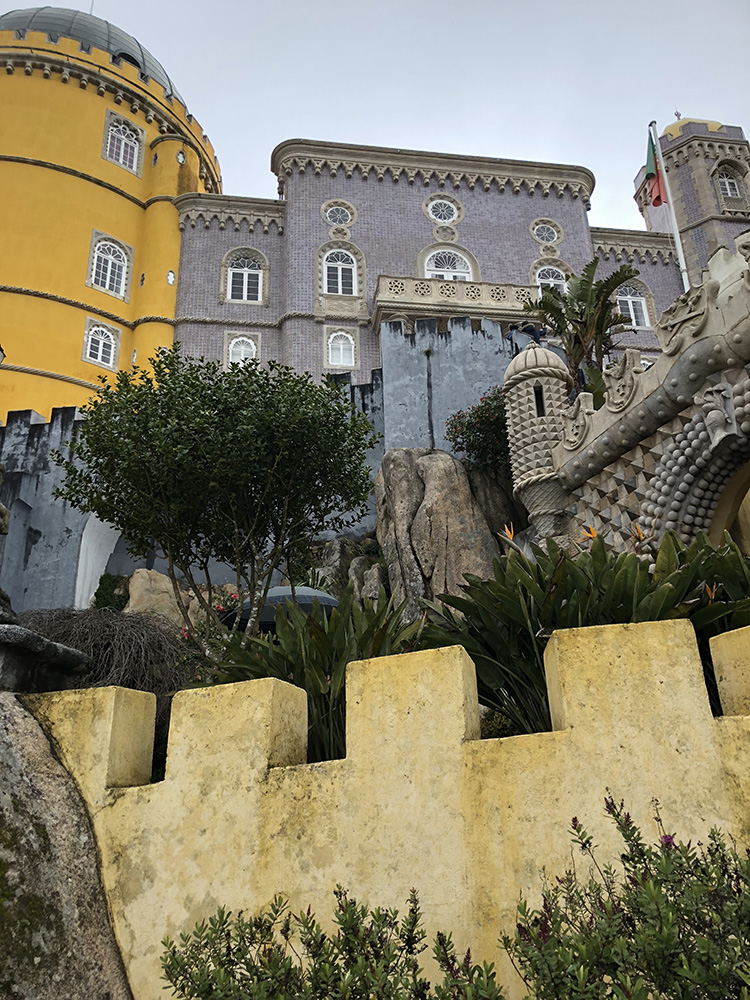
(656, 186)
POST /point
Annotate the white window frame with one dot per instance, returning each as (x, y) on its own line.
(341, 337)
(134, 140)
(335, 273)
(548, 282)
(630, 299)
(728, 184)
(244, 341)
(102, 334)
(447, 273)
(123, 146)
(109, 267)
(245, 273)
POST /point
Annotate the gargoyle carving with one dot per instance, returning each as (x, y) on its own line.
(621, 379)
(576, 420)
(717, 404)
(686, 318)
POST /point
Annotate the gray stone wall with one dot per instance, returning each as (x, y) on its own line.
(39, 555)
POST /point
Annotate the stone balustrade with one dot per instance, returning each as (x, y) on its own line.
(435, 297)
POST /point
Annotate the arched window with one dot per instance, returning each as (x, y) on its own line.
(340, 272)
(341, 350)
(728, 183)
(242, 349)
(551, 277)
(122, 145)
(109, 267)
(631, 302)
(245, 277)
(447, 265)
(100, 346)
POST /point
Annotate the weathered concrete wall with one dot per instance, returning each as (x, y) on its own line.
(418, 801)
(40, 553)
(435, 370)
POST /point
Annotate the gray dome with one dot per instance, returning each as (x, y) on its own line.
(89, 31)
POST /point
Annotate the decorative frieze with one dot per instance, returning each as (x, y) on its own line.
(446, 170)
(202, 209)
(633, 247)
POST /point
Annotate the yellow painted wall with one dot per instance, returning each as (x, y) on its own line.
(419, 800)
(47, 215)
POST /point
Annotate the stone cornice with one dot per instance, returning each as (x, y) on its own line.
(228, 209)
(447, 169)
(633, 245)
(711, 146)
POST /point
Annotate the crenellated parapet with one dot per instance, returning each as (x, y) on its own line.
(419, 799)
(152, 98)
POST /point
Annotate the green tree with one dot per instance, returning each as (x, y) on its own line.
(200, 464)
(584, 316)
(482, 434)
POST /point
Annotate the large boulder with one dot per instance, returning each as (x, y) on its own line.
(430, 525)
(150, 590)
(55, 936)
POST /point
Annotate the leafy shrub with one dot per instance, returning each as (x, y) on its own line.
(504, 623)
(673, 923)
(312, 651)
(373, 954)
(111, 592)
(481, 433)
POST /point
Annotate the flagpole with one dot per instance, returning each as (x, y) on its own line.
(670, 206)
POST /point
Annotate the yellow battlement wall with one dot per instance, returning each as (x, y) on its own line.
(419, 800)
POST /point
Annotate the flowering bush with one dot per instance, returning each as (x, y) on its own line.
(671, 921)
(286, 956)
(481, 433)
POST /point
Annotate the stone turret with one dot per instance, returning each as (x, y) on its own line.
(536, 395)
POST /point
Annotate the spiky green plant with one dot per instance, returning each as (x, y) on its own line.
(505, 623)
(313, 650)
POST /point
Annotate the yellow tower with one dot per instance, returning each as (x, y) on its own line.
(95, 142)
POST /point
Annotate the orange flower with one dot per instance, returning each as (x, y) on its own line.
(589, 533)
(508, 531)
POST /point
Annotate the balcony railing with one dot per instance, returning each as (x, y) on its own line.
(423, 297)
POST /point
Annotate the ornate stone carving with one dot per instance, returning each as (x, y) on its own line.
(717, 404)
(620, 378)
(631, 246)
(230, 211)
(576, 420)
(442, 169)
(686, 318)
(444, 234)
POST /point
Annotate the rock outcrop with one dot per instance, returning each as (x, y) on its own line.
(152, 591)
(431, 527)
(55, 936)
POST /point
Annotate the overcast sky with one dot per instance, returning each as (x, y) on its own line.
(566, 82)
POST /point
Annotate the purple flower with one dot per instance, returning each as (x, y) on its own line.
(667, 841)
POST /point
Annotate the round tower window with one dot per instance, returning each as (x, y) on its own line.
(442, 211)
(545, 233)
(337, 215)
